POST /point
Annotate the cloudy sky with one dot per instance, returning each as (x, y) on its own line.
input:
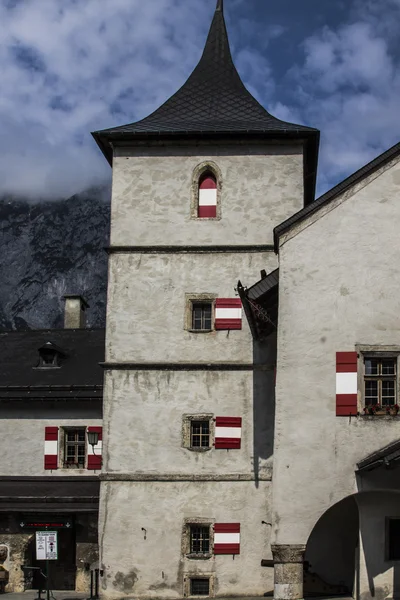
(69, 67)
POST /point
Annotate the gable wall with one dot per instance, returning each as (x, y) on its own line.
(339, 286)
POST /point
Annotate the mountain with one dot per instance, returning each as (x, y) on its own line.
(52, 248)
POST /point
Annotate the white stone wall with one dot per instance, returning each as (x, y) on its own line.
(22, 444)
(151, 563)
(149, 479)
(151, 197)
(339, 283)
(147, 305)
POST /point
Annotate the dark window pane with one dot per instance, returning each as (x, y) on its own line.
(371, 392)
(394, 539)
(389, 367)
(201, 316)
(200, 434)
(199, 587)
(388, 393)
(371, 366)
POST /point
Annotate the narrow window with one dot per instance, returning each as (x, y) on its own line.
(202, 316)
(380, 379)
(393, 539)
(199, 539)
(200, 587)
(200, 434)
(75, 447)
(207, 207)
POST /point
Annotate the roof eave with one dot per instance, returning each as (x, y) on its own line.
(106, 139)
(335, 192)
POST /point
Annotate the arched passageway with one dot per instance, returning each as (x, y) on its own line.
(331, 552)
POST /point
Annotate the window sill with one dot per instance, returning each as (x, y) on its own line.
(195, 556)
(200, 449)
(380, 413)
(200, 330)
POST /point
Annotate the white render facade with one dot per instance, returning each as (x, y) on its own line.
(159, 373)
(338, 282)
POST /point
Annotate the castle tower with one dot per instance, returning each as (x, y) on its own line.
(198, 187)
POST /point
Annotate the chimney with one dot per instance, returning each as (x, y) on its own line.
(75, 312)
(263, 274)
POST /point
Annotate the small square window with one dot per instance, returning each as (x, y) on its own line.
(393, 539)
(200, 586)
(200, 434)
(75, 447)
(199, 539)
(380, 383)
(202, 316)
(199, 312)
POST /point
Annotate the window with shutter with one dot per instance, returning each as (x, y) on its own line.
(51, 448)
(94, 460)
(228, 433)
(228, 313)
(227, 538)
(207, 203)
(346, 384)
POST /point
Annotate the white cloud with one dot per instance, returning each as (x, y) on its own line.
(349, 87)
(69, 67)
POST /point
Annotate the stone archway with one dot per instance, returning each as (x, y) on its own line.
(331, 553)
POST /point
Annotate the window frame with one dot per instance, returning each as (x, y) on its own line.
(65, 464)
(379, 352)
(201, 522)
(187, 421)
(211, 167)
(190, 301)
(54, 364)
(187, 587)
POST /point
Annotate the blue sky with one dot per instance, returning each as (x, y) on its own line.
(69, 67)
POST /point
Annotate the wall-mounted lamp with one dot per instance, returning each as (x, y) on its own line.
(93, 439)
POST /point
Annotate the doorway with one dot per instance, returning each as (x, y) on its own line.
(331, 552)
(63, 570)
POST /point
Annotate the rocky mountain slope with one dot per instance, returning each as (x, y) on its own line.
(52, 248)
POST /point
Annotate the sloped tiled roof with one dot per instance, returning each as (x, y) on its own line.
(213, 100)
(83, 350)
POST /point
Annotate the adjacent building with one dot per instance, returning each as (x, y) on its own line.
(336, 447)
(51, 390)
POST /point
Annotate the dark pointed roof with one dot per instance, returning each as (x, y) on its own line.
(213, 101)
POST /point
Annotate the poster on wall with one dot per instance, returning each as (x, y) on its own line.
(46, 545)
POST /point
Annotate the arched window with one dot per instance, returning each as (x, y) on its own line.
(207, 206)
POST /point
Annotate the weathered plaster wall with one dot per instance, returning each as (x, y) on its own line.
(143, 421)
(151, 564)
(22, 458)
(156, 480)
(379, 577)
(339, 283)
(147, 305)
(151, 201)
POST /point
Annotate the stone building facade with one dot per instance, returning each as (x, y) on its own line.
(189, 395)
(336, 447)
(51, 389)
(250, 425)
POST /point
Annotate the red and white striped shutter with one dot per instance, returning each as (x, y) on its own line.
(228, 313)
(208, 197)
(95, 452)
(346, 384)
(51, 448)
(228, 433)
(227, 538)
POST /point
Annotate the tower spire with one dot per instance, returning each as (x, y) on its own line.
(220, 5)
